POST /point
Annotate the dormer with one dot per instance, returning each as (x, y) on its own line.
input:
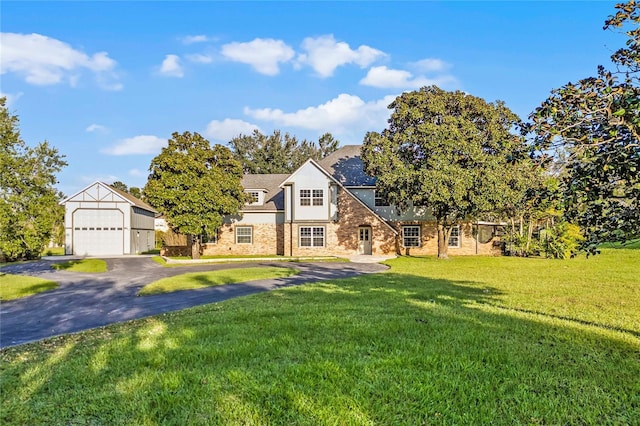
(256, 196)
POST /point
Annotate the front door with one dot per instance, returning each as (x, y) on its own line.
(364, 240)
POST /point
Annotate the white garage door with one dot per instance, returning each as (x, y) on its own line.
(98, 232)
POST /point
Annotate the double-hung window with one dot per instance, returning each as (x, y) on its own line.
(244, 235)
(411, 236)
(454, 238)
(312, 236)
(311, 197)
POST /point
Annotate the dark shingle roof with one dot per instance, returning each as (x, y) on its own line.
(274, 196)
(136, 201)
(345, 165)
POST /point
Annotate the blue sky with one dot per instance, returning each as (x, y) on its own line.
(108, 82)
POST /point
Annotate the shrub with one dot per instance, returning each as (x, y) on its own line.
(561, 240)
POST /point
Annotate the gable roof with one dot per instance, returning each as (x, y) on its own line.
(121, 194)
(340, 185)
(135, 201)
(274, 196)
(345, 165)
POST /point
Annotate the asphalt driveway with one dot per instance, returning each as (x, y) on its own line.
(84, 301)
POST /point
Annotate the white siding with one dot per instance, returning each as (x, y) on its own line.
(92, 208)
(251, 218)
(308, 177)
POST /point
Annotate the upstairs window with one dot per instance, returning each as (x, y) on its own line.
(254, 197)
(380, 201)
(318, 197)
(311, 197)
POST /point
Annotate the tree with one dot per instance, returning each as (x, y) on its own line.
(445, 150)
(120, 185)
(133, 190)
(597, 122)
(278, 153)
(29, 208)
(195, 185)
(136, 192)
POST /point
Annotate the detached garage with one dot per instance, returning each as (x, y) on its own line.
(101, 220)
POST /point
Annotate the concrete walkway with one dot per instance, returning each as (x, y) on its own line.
(84, 301)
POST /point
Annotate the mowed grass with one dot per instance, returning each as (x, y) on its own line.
(195, 280)
(82, 265)
(465, 341)
(17, 286)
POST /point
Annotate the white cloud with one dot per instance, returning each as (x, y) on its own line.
(143, 144)
(431, 65)
(324, 54)
(11, 98)
(171, 66)
(195, 39)
(228, 129)
(97, 128)
(200, 58)
(386, 78)
(345, 114)
(43, 61)
(264, 55)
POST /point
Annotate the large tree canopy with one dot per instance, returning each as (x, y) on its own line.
(29, 208)
(195, 185)
(449, 151)
(596, 121)
(278, 153)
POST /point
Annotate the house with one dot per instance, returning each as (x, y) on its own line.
(330, 208)
(102, 220)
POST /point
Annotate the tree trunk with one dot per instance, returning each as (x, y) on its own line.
(443, 246)
(195, 247)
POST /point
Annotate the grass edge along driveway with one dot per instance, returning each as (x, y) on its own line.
(466, 341)
(194, 280)
(18, 286)
(93, 266)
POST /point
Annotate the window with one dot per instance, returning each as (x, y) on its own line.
(380, 201)
(244, 235)
(305, 197)
(454, 238)
(411, 236)
(310, 197)
(318, 198)
(210, 238)
(312, 236)
(254, 197)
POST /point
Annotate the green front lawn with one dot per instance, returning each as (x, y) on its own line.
(465, 341)
(82, 265)
(17, 286)
(195, 280)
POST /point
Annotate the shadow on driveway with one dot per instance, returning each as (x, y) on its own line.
(83, 301)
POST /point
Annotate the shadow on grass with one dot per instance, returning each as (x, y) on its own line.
(382, 349)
